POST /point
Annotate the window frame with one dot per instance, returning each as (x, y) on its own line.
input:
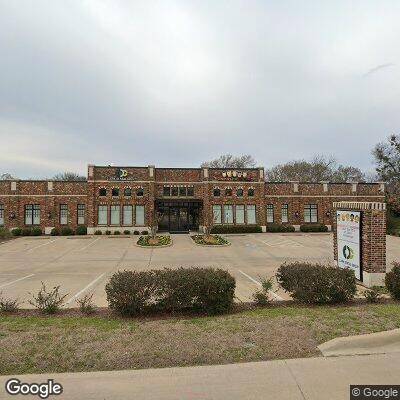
(102, 206)
(236, 213)
(285, 213)
(102, 190)
(79, 209)
(127, 189)
(228, 192)
(215, 207)
(33, 208)
(140, 206)
(216, 190)
(125, 206)
(63, 214)
(308, 213)
(253, 207)
(115, 207)
(224, 214)
(113, 191)
(2, 213)
(269, 208)
(252, 191)
(140, 192)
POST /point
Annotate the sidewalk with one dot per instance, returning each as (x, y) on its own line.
(310, 378)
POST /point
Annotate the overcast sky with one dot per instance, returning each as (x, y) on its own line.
(175, 83)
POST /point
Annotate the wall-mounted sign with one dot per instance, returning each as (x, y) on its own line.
(235, 175)
(121, 174)
(348, 241)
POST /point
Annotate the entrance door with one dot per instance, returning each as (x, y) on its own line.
(178, 216)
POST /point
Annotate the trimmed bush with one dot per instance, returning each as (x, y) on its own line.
(136, 232)
(127, 232)
(316, 283)
(280, 228)
(236, 229)
(117, 232)
(144, 233)
(4, 233)
(66, 231)
(98, 232)
(197, 289)
(81, 230)
(313, 228)
(108, 232)
(16, 232)
(55, 232)
(392, 281)
(36, 231)
(26, 232)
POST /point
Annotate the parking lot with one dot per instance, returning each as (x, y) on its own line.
(84, 264)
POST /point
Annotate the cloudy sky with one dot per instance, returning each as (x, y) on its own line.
(175, 83)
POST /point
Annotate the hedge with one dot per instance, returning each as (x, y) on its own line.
(205, 290)
(16, 232)
(66, 231)
(4, 233)
(81, 230)
(236, 229)
(392, 281)
(317, 283)
(313, 228)
(280, 228)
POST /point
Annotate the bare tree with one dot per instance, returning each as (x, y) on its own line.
(230, 161)
(69, 176)
(6, 177)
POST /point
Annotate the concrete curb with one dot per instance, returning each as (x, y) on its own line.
(373, 343)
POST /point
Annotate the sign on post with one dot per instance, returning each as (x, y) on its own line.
(348, 241)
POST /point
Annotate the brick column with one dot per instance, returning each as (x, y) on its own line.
(373, 239)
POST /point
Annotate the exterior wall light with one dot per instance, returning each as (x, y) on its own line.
(49, 215)
(296, 214)
(12, 215)
(328, 213)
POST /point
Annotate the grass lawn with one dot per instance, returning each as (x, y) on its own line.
(34, 344)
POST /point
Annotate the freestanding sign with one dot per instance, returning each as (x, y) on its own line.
(348, 241)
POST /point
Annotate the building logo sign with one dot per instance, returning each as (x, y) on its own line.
(348, 240)
(121, 174)
(235, 176)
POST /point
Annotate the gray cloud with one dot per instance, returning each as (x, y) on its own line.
(178, 82)
(379, 68)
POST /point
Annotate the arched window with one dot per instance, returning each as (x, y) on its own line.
(216, 192)
(250, 192)
(140, 192)
(103, 192)
(115, 192)
(127, 192)
(239, 192)
(228, 192)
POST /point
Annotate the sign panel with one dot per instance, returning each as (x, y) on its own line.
(348, 240)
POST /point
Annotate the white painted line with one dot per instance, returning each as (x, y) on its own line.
(17, 280)
(273, 294)
(43, 244)
(85, 247)
(83, 290)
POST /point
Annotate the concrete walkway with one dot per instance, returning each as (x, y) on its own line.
(311, 378)
(373, 343)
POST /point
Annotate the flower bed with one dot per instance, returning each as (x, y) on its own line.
(158, 241)
(211, 240)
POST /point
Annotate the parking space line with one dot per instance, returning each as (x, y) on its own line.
(17, 280)
(85, 247)
(83, 290)
(273, 294)
(41, 245)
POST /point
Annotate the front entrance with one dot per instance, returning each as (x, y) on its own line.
(178, 216)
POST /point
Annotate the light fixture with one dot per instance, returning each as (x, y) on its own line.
(12, 215)
(49, 215)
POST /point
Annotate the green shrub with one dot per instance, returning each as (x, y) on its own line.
(8, 305)
(144, 233)
(392, 281)
(262, 297)
(55, 232)
(373, 294)
(98, 232)
(117, 232)
(108, 232)
(26, 232)
(86, 305)
(198, 289)
(316, 283)
(36, 231)
(280, 228)
(48, 302)
(127, 232)
(66, 231)
(4, 233)
(81, 230)
(16, 232)
(136, 232)
(236, 229)
(313, 228)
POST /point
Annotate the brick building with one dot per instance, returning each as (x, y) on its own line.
(178, 199)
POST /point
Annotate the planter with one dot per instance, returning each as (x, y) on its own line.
(214, 241)
(149, 243)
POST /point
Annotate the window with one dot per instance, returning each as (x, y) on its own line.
(167, 191)
(190, 191)
(228, 214)
(103, 192)
(217, 192)
(217, 214)
(310, 213)
(250, 192)
(239, 192)
(102, 215)
(182, 191)
(127, 216)
(32, 214)
(228, 192)
(251, 214)
(285, 213)
(270, 213)
(81, 214)
(115, 215)
(139, 215)
(174, 191)
(115, 192)
(1, 215)
(63, 214)
(127, 192)
(239, 214)
(140, 192)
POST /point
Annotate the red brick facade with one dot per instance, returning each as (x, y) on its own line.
(149, 185)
